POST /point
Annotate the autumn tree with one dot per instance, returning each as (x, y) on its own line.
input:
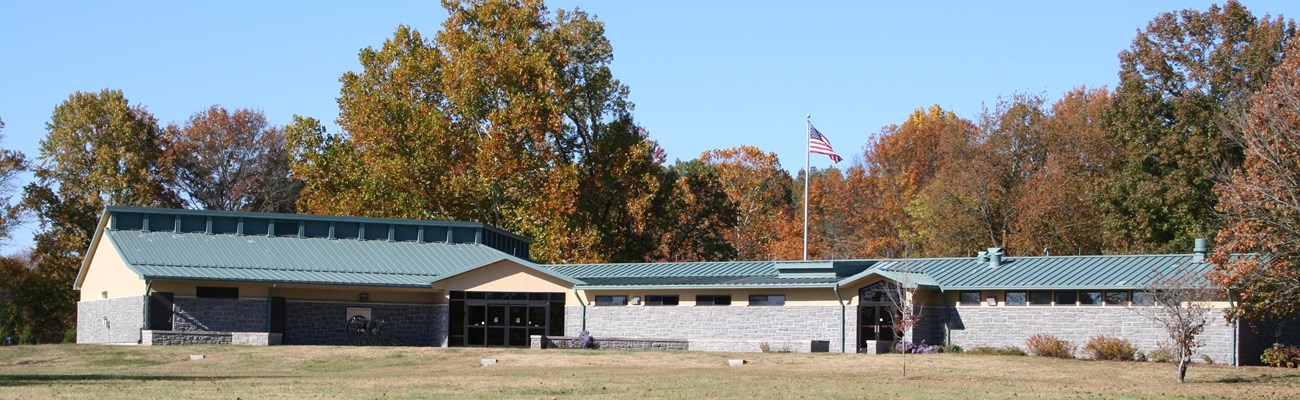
(1260, 203)
(1058, 205)
(99, 150)
(970, 203)
(506, 116)
(1182, 76)
(900, 162)
(231, 161)
(12, 163)
(763, 195)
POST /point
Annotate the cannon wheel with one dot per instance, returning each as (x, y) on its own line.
(356, 330)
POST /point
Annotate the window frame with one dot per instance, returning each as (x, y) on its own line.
(1149, 302)
(1056, 297)
(961, 298)
(1051, 298)
(712, 300)
(659, 300)
(767, 300)
(1024, 299)
(1100, 299)
(1105, 297)
(609, 300)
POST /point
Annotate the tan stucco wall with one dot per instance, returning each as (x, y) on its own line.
(507, 276)
(308, 292)
(107, 272)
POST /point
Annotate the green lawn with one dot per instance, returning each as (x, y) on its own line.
(289, 372)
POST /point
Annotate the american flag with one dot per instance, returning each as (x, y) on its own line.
(817, 144)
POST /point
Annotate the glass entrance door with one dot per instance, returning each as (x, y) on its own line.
(502, 318)
(876, 323)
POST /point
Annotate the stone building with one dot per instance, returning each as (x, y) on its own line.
(165, 276)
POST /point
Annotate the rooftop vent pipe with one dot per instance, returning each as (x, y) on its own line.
(995, 257)
(1199, 250)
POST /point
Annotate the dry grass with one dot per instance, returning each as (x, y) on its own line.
(289, 372)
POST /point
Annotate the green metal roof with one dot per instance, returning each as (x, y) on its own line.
(259, 258)
(1022, 273)
(1047, 272)
(668, 269)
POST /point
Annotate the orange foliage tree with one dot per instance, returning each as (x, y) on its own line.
(1260, 202)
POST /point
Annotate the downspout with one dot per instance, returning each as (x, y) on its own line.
(148, 285)
(584, 309)
(947, 329)
(270, 294)
(843, 317)
(1236, 330)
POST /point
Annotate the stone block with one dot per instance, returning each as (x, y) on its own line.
(196, 357)
(486, 362)
(735, 363)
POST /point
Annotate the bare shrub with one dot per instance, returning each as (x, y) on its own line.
(1045, 345)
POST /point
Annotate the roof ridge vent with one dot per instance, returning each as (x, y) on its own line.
(1199, 249)
(995, 257)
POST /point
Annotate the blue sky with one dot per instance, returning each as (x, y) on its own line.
(703, 74)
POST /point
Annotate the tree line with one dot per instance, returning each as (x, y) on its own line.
(510, 115)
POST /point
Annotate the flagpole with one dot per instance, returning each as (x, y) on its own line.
(807, 176)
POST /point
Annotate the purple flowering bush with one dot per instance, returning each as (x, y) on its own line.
(915, 348)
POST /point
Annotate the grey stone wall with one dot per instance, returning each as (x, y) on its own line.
(111, 320)
(163, 338)
(219, 315)
(756, 323)
(324, 322)
(1012, 326)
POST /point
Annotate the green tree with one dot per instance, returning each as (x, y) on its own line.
(698, 217)
(99, 150)
(231, 161)
(1180, 81)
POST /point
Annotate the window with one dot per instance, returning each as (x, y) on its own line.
(1116, 297)
(766, 299)
(217, 292)
(1066, 297)
(713, 300)
(1090, 298)
(1144, 299)
(1040, 297)
(969, 298)
(620, 300)
(661, 300)
(1015, 298)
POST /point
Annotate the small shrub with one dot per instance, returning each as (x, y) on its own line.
(1281, 355)
(1206, 359)
(914, 348)
(996, 351)
(1045, 345)
(767, 348)
(1110, 348)
(70, 335)
(26, 336)
(1161, 354)
(582, 342)
(950, 349)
